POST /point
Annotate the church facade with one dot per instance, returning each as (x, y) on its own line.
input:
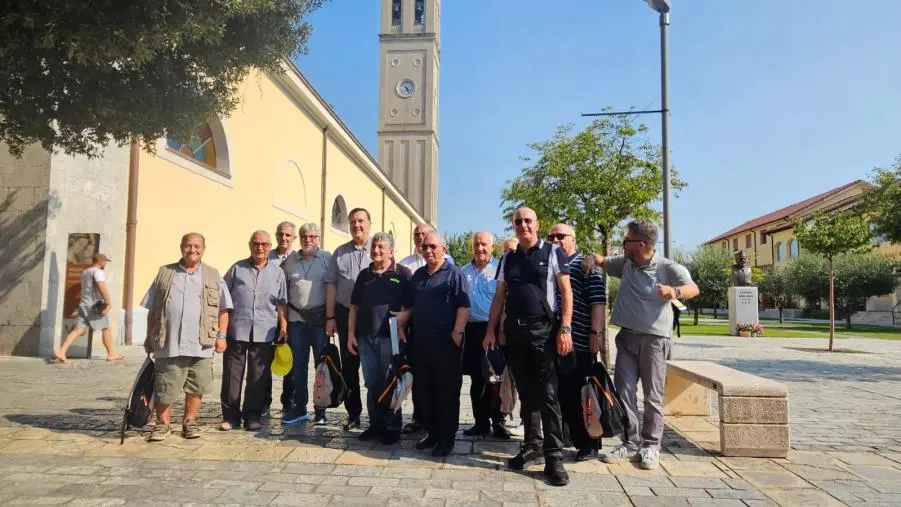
(283, 154)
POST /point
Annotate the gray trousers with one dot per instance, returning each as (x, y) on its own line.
(642, 357)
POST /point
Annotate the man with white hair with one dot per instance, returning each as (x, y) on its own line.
(284, 239)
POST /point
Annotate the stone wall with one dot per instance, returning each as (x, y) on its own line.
(24, 186)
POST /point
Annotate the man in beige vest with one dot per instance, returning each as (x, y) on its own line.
(187, 319)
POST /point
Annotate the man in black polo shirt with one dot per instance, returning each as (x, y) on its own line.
(438, 299)
(528, 280)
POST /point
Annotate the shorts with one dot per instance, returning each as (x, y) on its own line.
(91, 319)
(177, 375)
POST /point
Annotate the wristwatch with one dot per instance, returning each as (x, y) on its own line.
(566, 329)
(678, 291)
(220, 335)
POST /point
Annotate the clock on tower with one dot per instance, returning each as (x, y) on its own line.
(408, 100)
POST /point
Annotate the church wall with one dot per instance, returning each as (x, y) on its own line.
(357, 189)
(401, 226)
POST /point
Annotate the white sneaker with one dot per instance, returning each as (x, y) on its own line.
(650, 458)
(620, 454)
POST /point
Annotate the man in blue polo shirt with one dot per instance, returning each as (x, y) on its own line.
(438, 299)
(528, 280)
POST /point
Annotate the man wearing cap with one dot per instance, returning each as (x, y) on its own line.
(480, 274)
(257, 288)
(187, 322)
(537, 332)
(92, 310)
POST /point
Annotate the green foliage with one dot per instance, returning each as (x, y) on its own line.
(809, 278)
(883, 202)
(612, 289)
(78, 74)
(859, 277)
(459, 246)
(710, 268)
(776, 282)
(592, 180)
(834, 234)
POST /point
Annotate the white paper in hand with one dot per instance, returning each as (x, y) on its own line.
(392, 325)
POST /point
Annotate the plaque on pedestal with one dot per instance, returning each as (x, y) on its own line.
(742, 307)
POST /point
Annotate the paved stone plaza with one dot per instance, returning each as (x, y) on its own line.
(59, 444)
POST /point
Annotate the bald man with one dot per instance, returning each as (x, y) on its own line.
(481, 275)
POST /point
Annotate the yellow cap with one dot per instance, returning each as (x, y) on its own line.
(283, 360)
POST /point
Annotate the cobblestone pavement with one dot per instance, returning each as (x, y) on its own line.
(59, 444)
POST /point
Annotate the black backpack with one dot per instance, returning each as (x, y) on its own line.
(329, 390)
(140, 402)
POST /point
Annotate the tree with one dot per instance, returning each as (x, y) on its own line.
(883, 202)
(710, 268)
(859, 277)
(77, 74)
(593, 180)
(459, 246)
(809, 278)
(777, 284)
(830, 236)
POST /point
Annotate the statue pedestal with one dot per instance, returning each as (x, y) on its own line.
(742, 307)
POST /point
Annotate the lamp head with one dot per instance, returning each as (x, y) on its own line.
(661, 6)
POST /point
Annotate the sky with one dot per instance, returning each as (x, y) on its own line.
(772, 101)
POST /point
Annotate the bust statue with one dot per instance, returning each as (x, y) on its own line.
(741, 272)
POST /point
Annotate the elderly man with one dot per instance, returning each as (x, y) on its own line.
(536, 331)
(306, 271)
(510, 245)
(438, 303)
(589, 329)
(481, 276)
(258, 292)
(379, 290)
(344, 267)
(284, 237)
(643, 311)
(92, 310)
(187, 320)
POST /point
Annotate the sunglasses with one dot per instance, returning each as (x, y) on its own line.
(257, 244)
(558, 237)
(310, 236)
(432, 246)
(520, 221)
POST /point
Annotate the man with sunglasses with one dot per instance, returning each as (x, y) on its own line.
(537, 330)
(589, 327)
(643, 311)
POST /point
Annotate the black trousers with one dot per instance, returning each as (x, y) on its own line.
(570, 394)
(439, 375)
(531, 353)
(473, 355)
(255, 359)
(350, 365)
(287, 397)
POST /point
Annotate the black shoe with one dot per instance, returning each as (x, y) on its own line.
(426, 443)
(390, 437)
(586, 454)
(500, 432)
(412, 427)
(352, 424)
(370, 434)
(525, 457)
(443, 448)
(476, 430)
(555, 472)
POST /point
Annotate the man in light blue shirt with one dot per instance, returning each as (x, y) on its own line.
(481, 274)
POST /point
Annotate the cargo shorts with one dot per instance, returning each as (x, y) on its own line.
(177, 375)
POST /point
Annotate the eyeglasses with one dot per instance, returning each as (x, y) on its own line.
(258, 244)
(310, 236)
(430, 246)
(627, 241)
(559, 236)
(520, 221)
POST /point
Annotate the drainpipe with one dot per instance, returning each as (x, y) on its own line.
(131, 224)
(383, 208)
(324, 177)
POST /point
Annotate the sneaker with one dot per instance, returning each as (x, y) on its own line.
(555, 472)
(160, 432)
(320, 420)
(476, 431)
(370, 433)
(294, 416)
(500, 432)
(190, 429)
(586, 454)
(390, 437)
(352, 424)
(253, 426)
(525, 457)
(650, 458)
(620, 454)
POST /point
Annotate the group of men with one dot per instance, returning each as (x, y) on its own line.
(543, 304)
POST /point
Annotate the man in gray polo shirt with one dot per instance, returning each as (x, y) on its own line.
(258, 291)
(643, 311)
(344, 267)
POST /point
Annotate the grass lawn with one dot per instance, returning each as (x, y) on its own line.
(772, 328)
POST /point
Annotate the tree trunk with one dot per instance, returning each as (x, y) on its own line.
(781, 321)
(831, 307)
(714, 311)
(848, 313)
(697, 312)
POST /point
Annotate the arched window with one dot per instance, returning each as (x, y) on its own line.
(793, 248)
(206, 147)
(780, 252)
(339, 214)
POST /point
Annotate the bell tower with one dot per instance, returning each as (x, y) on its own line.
(408, 100)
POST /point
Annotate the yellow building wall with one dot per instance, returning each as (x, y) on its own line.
(401, 226)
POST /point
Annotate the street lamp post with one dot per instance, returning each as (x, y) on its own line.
(663, 7)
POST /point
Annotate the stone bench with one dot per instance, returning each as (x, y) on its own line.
(753, 410)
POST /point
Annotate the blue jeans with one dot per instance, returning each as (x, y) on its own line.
(303, 339)
(375, 356)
